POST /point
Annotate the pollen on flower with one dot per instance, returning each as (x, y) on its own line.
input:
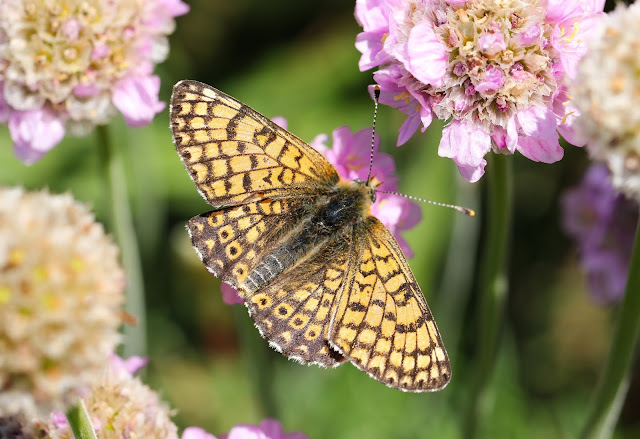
(498, 50)
(61, 290)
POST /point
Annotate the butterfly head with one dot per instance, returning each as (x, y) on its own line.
(370, 186)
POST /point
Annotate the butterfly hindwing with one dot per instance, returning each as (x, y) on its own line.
(232, 241)
(382, 322)
(233, 153)
(294, 311)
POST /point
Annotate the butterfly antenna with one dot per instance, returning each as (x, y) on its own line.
(376, 98)
(465, 210)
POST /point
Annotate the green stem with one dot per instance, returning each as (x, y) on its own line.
(112, 162)
(494, 285)
(80, 422)
(612, 389)
(258, 360)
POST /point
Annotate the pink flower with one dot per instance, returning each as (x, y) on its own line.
(602, 223)
(494, 70)
(268, 429)
(230, 295)
(74, 71)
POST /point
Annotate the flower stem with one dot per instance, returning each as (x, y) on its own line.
(614, 383)
(80, 422)
(112, 162)
(493, 284)
(259, 361)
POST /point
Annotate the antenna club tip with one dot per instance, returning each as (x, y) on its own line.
(376, 91)
(471, 212)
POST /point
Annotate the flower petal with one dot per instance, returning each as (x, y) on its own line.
(467, 146)
(230, 295)
(136, 98)
(196, 433)
(540, 141)
(427, 57)
(34, 133)
(370, 45)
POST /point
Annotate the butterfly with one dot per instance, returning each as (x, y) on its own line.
(323, 280)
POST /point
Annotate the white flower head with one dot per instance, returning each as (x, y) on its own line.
(61, 291)
(606, 93)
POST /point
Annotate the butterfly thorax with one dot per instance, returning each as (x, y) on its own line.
(329, 217)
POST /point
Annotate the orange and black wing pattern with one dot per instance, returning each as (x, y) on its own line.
(234, 154)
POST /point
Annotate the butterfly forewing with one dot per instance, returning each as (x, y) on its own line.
(382, 321)
(233, 153)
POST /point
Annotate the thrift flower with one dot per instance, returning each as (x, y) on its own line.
(69, 66)
(268, 429)
(121, 406)
(61, 291)
(606, 93)
(497, 69)
(350, 156)
(602, 222)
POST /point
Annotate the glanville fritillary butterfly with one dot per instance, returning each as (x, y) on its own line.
(323, 280)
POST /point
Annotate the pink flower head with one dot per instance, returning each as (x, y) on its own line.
(268, 429)
(602, 223)
(494, 69)
(70, 72)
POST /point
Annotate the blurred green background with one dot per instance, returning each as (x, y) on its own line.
(298, 60)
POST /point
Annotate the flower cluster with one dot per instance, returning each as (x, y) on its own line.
(350, 155)
(268, 429)
(120, 405)
(606, 90)
(498, 69)
(61, 291)
(603, 223)
(73, 64)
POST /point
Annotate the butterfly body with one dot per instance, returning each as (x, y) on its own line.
(324, 281)
(326, 218)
